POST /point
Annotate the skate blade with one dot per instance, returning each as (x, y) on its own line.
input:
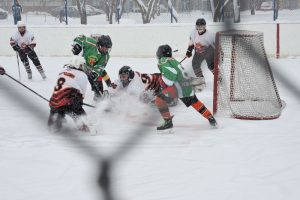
(166, 131)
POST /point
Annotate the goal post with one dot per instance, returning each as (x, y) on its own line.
(244, 86)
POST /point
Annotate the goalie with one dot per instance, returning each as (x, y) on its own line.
(203, 42)
(141, 85)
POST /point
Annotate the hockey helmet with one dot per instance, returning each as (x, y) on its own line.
(126, 70)
(164, 51)
(78, 62)
(200, 22)
(201, 25)
(21, 24)
(104, 41)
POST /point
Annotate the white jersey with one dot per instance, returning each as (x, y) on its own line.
(135, 86)
(23, 40)
(201, 42)
(71, 78)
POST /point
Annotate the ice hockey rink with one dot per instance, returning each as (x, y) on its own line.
(241, 159)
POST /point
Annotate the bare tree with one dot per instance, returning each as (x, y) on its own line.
(109, 10)
(236, 11)
(146, 11)
(82, 11)
(217, 7)
(172, 10)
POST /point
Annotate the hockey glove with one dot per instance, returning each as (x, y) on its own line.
(76, 49)
(113, 85)
(16, 47)
(110, 84)
(189, 51)
(2, 71)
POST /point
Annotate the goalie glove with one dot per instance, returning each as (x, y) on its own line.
(76, 49)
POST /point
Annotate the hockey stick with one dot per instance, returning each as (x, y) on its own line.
(183, 59)
(18, 65)
(38, 93)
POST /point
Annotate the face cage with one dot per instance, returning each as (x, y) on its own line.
(200, 28)
(22, 28)
(125, 83)
(107, 50)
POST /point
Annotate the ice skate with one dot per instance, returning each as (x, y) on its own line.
(29, 75)
(212, 121)
(43, 75)
(167, 125)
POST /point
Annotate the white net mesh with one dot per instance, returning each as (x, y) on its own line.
(245, 88)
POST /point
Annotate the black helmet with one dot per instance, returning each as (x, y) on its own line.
(104, 41)
(164, 51)
(200, 22)
(126, 70)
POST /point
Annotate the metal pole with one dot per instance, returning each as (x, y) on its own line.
(171, 13)
(15, 12)
(66, 11)
(222, 11)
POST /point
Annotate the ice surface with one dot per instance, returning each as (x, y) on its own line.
(239, 160)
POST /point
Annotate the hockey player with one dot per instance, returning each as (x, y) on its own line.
(96, 54)
(23, 42)
(138, 84)
(174, 76)
(203, 41)
(68, 95)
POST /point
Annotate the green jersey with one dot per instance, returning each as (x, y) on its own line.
(95, 61)
(172, 73)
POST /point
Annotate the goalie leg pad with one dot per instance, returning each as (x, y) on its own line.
(198, 83)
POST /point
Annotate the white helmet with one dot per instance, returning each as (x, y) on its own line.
(21, 24)
(77, 62)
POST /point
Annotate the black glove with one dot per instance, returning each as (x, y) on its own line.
(189, 51)
(113, 85)
(16, 47)
(110, 84)
(76, 49)
(2, 71)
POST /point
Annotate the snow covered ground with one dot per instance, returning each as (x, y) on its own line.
(240, 160)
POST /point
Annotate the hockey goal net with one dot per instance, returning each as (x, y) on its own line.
(244, 86)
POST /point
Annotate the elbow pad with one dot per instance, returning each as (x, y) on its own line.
(76, 49)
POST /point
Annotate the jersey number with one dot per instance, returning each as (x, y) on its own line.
(60, 82)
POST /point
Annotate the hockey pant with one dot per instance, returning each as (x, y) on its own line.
(208, 56)
(170, 93)
(65, 102)
(163, 98)
(96, 84)
(33, 56)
